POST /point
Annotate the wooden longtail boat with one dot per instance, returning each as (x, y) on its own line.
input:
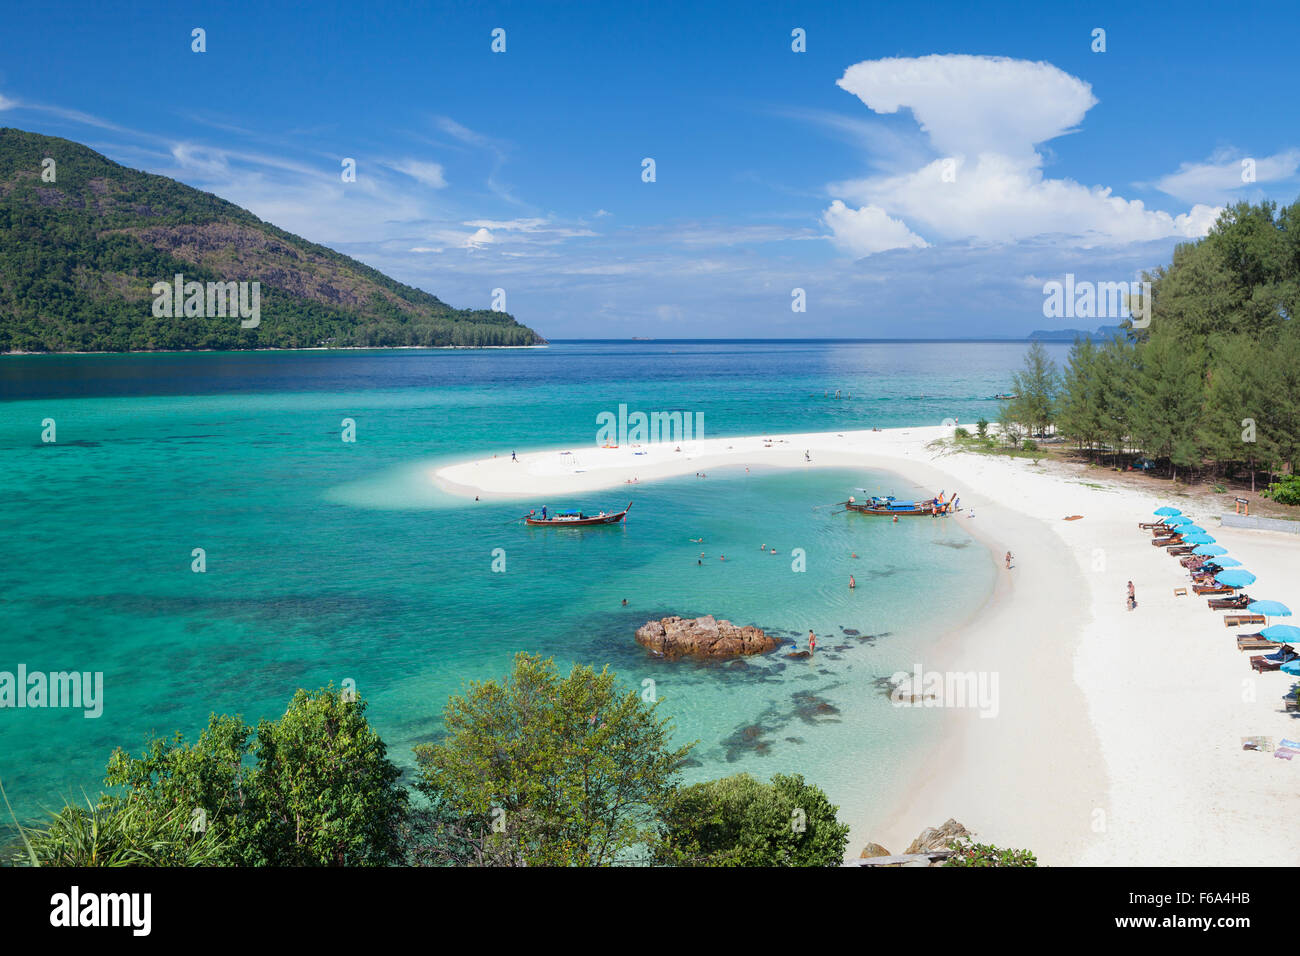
(876, 505)
(576, 519)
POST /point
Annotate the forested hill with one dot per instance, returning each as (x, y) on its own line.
(84, 240)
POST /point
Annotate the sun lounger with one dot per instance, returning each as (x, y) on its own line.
(1253, 642)
(1237, 620)
(1180, 592)
(1236, 602)
(1212, 589)
(1290, 704)
(1264, 665)
(1150, 525)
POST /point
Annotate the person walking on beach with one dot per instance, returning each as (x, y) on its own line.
(1008, 560)
(512, 457)
(1132, 597)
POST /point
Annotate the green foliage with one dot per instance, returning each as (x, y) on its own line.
(1285, 491)
(541, 769)
(1029, 445)
(78, 259)
(984, 854)
(738, 821)
(1214, 379)
(313, 788)
(982, 427)
(1036, 387)
(961, 433)
(324, 792)
(125, 832)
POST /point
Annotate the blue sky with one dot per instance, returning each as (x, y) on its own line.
(822, 170)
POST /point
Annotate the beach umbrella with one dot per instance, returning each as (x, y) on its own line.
(1197, 539)
(1210, 549)
(1226, 562)
(1269, 608)
(1236, 578)
(1287, 633)
(1291, 667)
(1167, 511)
(1186, 529)
(1177, 522)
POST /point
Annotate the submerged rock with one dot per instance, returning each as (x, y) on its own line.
(706, 636)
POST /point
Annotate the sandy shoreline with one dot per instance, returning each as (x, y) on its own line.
(1117, 740)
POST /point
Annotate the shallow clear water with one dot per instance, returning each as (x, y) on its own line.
(329, 560)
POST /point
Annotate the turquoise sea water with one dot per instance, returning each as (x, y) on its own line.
(329, 560)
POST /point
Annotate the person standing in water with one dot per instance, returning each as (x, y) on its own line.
(852, 583)
(812, 641)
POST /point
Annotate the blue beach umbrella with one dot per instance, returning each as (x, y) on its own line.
(1227, 562)
(1269, 608)
(1236, 578)
(1186, 529)
(1291, 667)
(1210, 549)
(1167, 511)
(1197, 539)
(1177, 522)
(1281, 632)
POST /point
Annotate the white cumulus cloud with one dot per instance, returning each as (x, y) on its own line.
(985, 117)
(868, 230)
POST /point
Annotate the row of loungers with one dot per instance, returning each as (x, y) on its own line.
(1275, 653)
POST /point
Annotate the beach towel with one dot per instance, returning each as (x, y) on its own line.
(1286, 753)
(1257, 743)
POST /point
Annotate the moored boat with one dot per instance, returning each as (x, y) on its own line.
(889, 505)
(575, 519)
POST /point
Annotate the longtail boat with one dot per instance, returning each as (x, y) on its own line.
(889, 505)
(576, 519)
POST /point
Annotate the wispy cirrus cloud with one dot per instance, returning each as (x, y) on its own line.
(1228, 175)
(423, 172)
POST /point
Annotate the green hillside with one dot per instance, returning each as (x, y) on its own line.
(79, 257)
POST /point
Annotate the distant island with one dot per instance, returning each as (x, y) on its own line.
(88, 248)
(1104, 333)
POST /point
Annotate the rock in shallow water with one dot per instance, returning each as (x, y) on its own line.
(706, 636)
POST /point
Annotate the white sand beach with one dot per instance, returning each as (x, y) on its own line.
(1118, 737)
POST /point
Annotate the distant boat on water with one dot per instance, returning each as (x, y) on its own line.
(576, 519)
(1005, 396)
